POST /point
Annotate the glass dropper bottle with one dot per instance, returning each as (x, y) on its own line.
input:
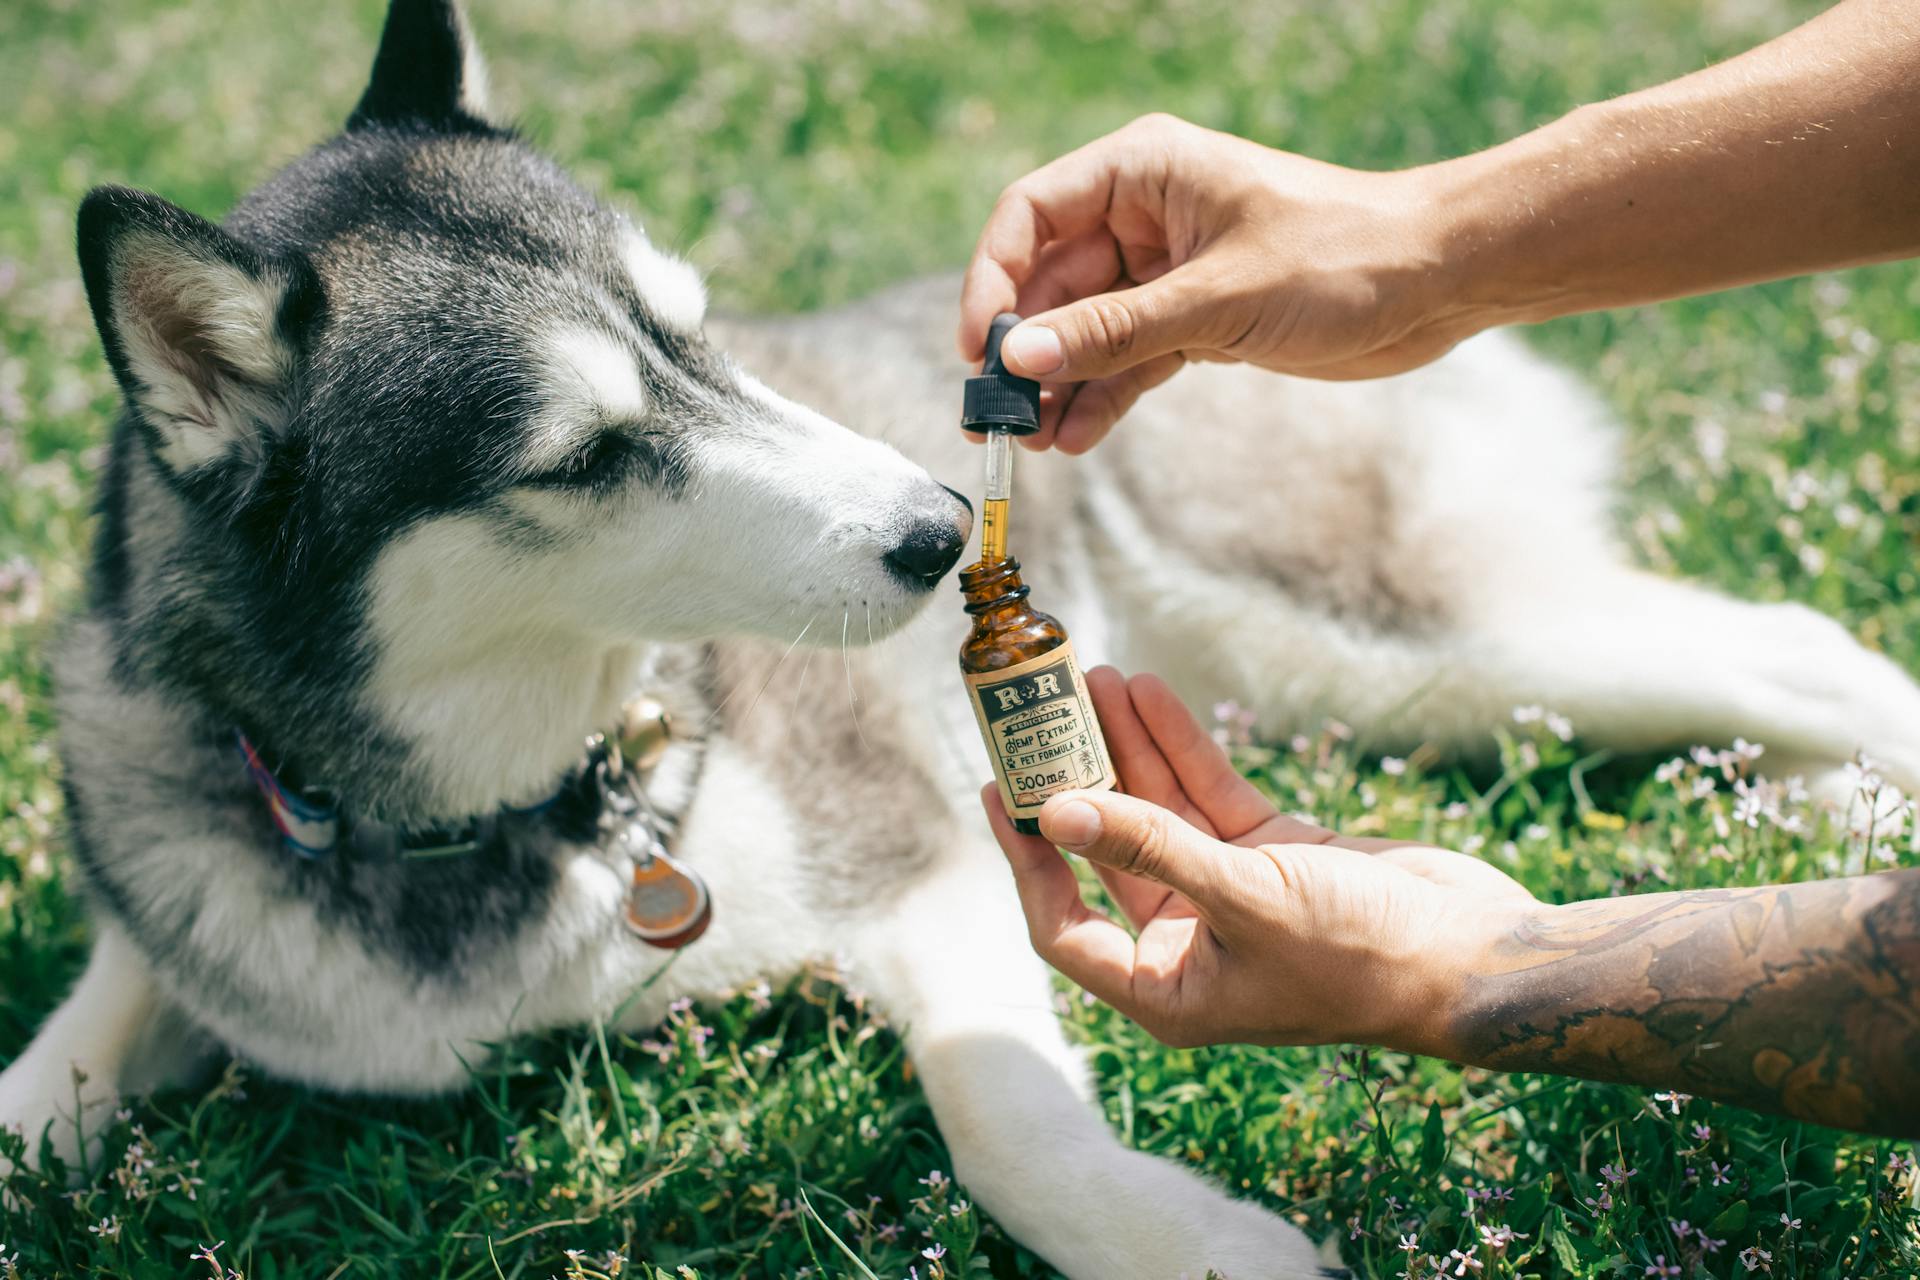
(1027, 691)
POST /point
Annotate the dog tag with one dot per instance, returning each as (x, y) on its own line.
(667, 903)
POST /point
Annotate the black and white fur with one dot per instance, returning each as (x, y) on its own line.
(429, 460)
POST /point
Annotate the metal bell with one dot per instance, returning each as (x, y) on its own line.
(644, 732)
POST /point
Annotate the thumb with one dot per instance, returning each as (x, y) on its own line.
(1112, 332)
(1132, 836)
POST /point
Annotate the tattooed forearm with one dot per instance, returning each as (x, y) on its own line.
(1802, 999)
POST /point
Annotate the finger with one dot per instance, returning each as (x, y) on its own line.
(1078, 941)
(1142, 772)
(1054, 399)
(1048, 890)
(1057, 201)
(1143, 769)
(1102, 404)
(1069, 270)
(1230, 803)
(1105, 334)
(1139, 838)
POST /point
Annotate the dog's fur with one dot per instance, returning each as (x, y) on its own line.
(428, 460)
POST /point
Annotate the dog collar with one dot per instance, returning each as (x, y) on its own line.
(311, 828)
(667, 905)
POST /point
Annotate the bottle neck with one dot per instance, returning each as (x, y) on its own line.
(990, 589)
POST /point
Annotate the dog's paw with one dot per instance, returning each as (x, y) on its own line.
(36, 1112)
(1127, 1216)
(1242, 1241)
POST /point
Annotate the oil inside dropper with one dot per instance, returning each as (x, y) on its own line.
(993, 525)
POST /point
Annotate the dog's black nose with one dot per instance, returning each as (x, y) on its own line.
(927, 552)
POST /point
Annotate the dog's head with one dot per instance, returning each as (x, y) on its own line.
(428, 405)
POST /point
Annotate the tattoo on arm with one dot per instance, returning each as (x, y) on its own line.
(1802, 999)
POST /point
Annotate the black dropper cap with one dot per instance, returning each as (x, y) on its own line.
(998, 400)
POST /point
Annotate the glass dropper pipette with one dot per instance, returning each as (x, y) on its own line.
(993, 526)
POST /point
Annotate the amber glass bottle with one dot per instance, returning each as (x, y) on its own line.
(1028, 696)
(1027, 691)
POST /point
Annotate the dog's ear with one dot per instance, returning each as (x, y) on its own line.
(196, 325)
(428, 71)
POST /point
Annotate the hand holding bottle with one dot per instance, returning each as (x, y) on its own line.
(1252, 926)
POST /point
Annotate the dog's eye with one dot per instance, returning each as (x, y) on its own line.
(597, 459)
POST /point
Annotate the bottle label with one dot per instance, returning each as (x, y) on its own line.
(1040, 729)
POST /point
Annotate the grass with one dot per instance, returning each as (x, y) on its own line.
(804, 153)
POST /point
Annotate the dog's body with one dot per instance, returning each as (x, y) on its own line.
(428, 466)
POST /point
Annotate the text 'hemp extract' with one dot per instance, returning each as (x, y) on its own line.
(1027, 691)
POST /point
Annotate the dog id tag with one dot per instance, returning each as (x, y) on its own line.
(667, 903)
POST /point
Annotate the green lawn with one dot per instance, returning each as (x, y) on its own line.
(806, 152)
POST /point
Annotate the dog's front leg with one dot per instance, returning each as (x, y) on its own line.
(952, 966)
(115, 1035)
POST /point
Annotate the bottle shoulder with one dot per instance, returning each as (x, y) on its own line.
(991, 647)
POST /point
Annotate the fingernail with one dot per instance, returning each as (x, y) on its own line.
(1035, 348)
(1073, 825)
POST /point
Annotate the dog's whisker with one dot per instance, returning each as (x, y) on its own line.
(853, 702)
(799, 693)
(768, 682)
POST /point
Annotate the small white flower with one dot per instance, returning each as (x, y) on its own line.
(1392, 766)
(1864, 776)
(1498, 1238)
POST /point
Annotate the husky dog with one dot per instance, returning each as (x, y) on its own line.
(429, 462)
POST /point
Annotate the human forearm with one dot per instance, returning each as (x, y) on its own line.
(1802, 999)
(1800, 155)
